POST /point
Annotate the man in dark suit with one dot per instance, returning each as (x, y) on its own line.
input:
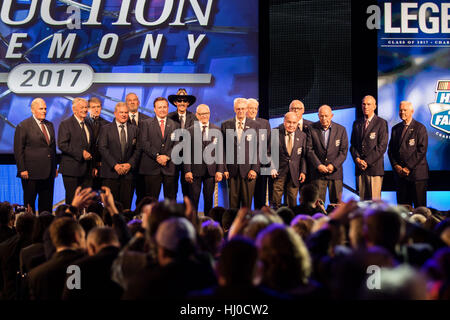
(35, 154)
(96, 122)
(291, 170)
(103, 247)
(185, 120)
(261, 187)
(242, 163)
(203, 133)
(117, 145)
(47, 281)
(368, 144)
(299, 108)
(156, 147)
(136, 118)
(407, 153)
(75, 140)
(327, 151)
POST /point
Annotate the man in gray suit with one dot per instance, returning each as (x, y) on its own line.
(327, 151)
(35, 153)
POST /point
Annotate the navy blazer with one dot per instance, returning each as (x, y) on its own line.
(71, 143)
(31, 151)
(335, 153)
(142, 118)
(152, 144)
(96, 131)
(110, 150)
(370, 147)
(198, 170)
(189, 122)
(306, 125)
(251, 161)
(296, 162)
(411, 152)
(264, 141)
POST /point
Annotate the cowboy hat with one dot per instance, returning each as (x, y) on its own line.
(183, 95)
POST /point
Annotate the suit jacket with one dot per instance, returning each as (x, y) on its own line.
(189, 122)
(71, 143)
(370, 147)
(96, 280)
(296, 162)
(152, 144)
(111, 152)
(251, 158)
(142, 117)
(47, 281)
(335, 153)
(96, 126)
(411, 151)
(264, 134)
(199, 170)
(306, 125)
(32, 152)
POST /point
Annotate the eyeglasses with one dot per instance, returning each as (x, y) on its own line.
(203, 114)
(182, 100)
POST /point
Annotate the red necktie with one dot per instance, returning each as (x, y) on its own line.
(45, 132)
(162, 128)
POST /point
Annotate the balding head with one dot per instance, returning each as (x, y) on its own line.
(290, 122)
(203, 114)
(297, 107)
(132, 102)
(325, 116)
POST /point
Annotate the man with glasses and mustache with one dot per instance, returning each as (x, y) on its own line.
(185, 119)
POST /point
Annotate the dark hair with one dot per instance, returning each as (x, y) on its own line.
(237, 261)
(384, 227)
(90, 221)
(144, 201)
(160, 99)
(103, 235)
(63, 231)
(286, 214)
(40, 225)
(95, 100)
(216, 214)
(61, 210)
(211, 236)
(6, 212)
(95, 207)
(228, 217)
(25, 223)
(309, 193)
(161, 211)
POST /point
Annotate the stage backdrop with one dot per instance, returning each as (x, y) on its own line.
(62, 49)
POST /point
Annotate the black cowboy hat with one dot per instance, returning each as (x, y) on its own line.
(182, 94)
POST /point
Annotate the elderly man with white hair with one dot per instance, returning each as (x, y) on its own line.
(299, 108)
(408, 155)
(327, 151)
(241, 148)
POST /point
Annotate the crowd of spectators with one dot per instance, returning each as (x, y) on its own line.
(93, 249)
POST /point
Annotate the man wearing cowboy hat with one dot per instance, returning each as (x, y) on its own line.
(185, 119)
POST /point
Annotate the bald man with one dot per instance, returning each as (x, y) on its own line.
(35, 154)
(291, 170)
(204, 133)
(299, 108)
(368, 144)
(408, 156)
(327, 151)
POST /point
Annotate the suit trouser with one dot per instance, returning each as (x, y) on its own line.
(261, 191)
(140, 188)
(334, 189)
(369, 187)
(208, 191)
(43, 188)
(153, 186)
(72, 183)
(412, 192)
(280, 185)
(179, 176)
(122, 189)
(241, 191)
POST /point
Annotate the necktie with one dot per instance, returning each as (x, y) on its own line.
(300, 126)
(367, 124)
(123, 140)
(83, 132)
(405, 128)
(45, 132)
(240, 127)
(162, 127)
(289, 144)
(182, 122)
(133, 120)
(204, 137)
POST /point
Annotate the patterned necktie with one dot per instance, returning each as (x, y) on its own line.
(182, 122)
(289, 144)
(123, 141)
(133, 120)
(162, 127)
(239, 131)
(44, 131)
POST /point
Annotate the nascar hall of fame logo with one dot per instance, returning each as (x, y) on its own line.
(440, 110)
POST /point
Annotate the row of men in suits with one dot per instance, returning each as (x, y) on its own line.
(135, 151)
